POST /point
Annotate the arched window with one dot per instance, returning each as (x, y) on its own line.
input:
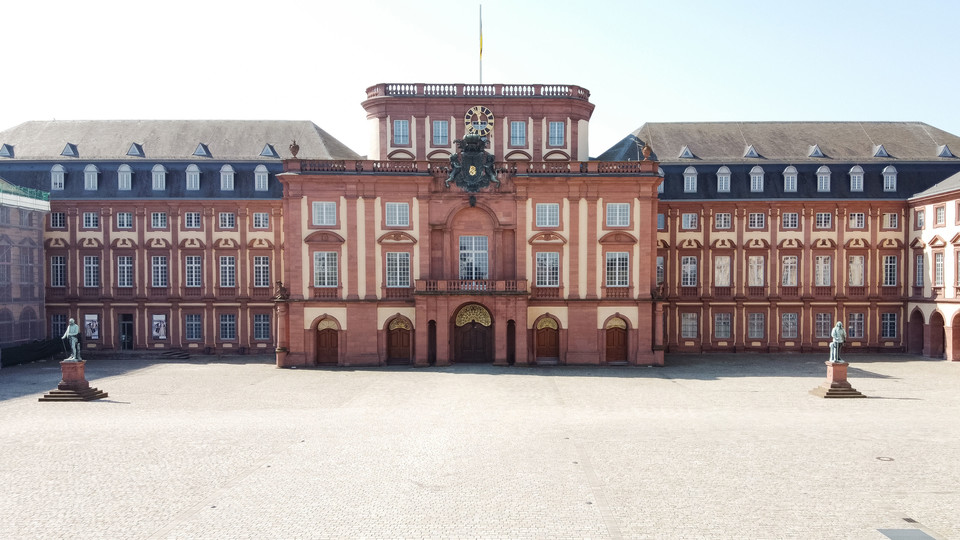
(90, 173)
(723, 179)
(790, 179)
(226, 178)
(856, 178)
(261, 175)
(193, 178)
(124, 178)
(823, 179)
(889, 178)
(690, 180)
(159, 177)
(56, 177)
(756, 179)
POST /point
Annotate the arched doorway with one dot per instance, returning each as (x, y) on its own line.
(328, 343)
(936, 335)
(399, 349)
(915, 333)
(473, 335)
(955, 338)
(616, 337)
(547, 340)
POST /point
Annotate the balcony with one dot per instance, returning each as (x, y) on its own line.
(192, 292)
(471, 286)
(617, 292)
(261, 293)
(754, 291)
(226, 292)
(887, 291)
(123, 292)
(89, 292)
(55, 293)
(790, 291)
(545, 292)
(326, 293)
(159, 293)
(722, 292)
(397, 293)
(823, 291)
(689, 292)
(857, 292)
(479, 90)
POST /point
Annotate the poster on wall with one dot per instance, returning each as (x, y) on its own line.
(159, 327)
(91, 326)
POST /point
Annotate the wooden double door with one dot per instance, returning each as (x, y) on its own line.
(473, 343)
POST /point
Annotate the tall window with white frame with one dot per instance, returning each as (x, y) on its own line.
(401, 132)
(722, 327)
(261, 178)
(57, 174)
(228, 271)
(756, 180)
(518, 133)
(661, 269)
(398, 214)
(58, 220)
(125, 271)
(441, 136)
(324, 213)
(261, 271)
(858, 220)
(58, 271)
(618, 269)
(548, 215)
(689, 220)
(789, 325)
(789, 270)
(193, 326)
(757, 220)
(889, 270)
(888, 325)
(228, 220)
(756, 271)
(618, 214)
(856, 178)
(193, 271)
(58, 324)
(158, 271)
(124, 220)
(226, 178)
(398, 270)
(721, 271)
(91, 220)
(823, 270)
(856, 270)
(124, 178)
(158, 220)
(722, 220)
(938, 269)
(192, 220)
(325, 269)
(756, 325)
(689, 325)
(193, 178)
(919, 263)
(854, 326)
(548, 269)
(723, 180)
(158, 177)
(690, 180)
(91, 271)
(261, 220)
(556, 137)
(824, 220)
(688, 271)
(261, 326)
(474, 263)
(823, 179)
(790, 179)
(889, 178)
(823, 324)
(228, 326)
(790, 220)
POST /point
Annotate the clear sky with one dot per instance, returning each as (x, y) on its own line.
(642, 60)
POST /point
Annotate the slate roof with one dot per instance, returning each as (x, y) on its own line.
(787, 142)
(228, 140)
(951, 183)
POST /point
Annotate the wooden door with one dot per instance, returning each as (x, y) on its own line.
(548, 344)
(473, 343)
(327, 349)
(398, 346)
(616, 345)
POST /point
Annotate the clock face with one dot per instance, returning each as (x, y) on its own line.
(479, 121)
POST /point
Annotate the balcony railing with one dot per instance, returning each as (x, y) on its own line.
(226, 292)
(689, 292)
(261, 293)
(467, 90)
(545, 292)
(617, 292)
(160, 293)
(890, 291)
(326, 293)
(123, 292)
(192, 292)
(789, 291)
(857, 291)
(56, 293)
(89, 292)
(823, 291)
(471, 286)
(722, 292)
(755, 291)
(398, 293)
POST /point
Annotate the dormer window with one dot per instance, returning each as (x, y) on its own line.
(226, 178)
(942, 151)
(823, 179)
(202, 151)
(159, 174)
(269, 151)
(70, 150)
(6, 150)
(685, 153)
(57, 173)
(690, 180)
(856, 178)
(723, 180)
(135, 150)
(90, 173)
(889, 178)
(880, 151)
(260, 178)
(124, 178)
(750, 152)
(756, 180)
(790, 179)
(193, 178)
(814, 151)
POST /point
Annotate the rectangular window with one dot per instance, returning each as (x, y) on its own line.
(618, 214)
(791, 220)
(158, 220)
(688, 271)
(688, 325)
(855, 270)
(398, 214)
(890, 271)
(921, 219)
(857, 220)
(920, 264)
(856, 182)
(193, 179)
(91, 220)
(56, 179)
(228, 220)
(159, 179)
(548, 214)
(125, 271)
(441, 135)
(721, 326)
(548, 269)
(891, 221)
(58, 220)
(757, 220)
(888, 325)
(618, 269)
(790, 183)
(58, 325)
(124, 179)
(824, 220)
(789, 329)
(124, 220)
(688, 221)
(823, 325)
(90, 180)
(722, 220)
(58, 271)
(556, 133)
(756, 274)
(940, 215)
(789, 270)
(890, 181)
(325, 213)
(193, 327)
(228, 327)
(855, 326)
(756, 323)
(398, 270)
(823, 182)
(661, 270)
(158, 271)
(938, 269)
(756, 183)
(518, 133)
(473, 257)
(261, 220)
(261, 326)
(721, 271)
(261, 271)
(325, 269)
(193, 271)
(401, 132)
(228, 271)
(661, 222)
(822, 270)
(723, 183)
(191, 220)
(226, 178)
(689, 183)
(261, 179)
(91, 271)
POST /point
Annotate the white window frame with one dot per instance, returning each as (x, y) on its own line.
(324, 213)
(192, 220)
(91, 271)
(261, 271)
(858, 220)
(890, 271)
(125, 271)
(688, 271)
(689, 220)
(159, 274)
(261, 220)
(891, 220)
(228, 271)
(261, 178)
(756, 179)
(889, 178)
(474, 257)
(401, 132)
(888, 326)
(689, 325)
(756, 270)
(193, 326)
(756, 325)
(938, 269)
(325, 269)
(723, 180)
(193, 178)
(398, 214)
(57, 178)
(441, 133)
(824, 220)
(789, 270)
(518, 134)
(193, 271)
(158, 177)
(756, 220)
(618, 214)
(58, 220)
(158, 220)
(226, 177)
(618, 269)
(722, 220)
(856, 178)
(557, 133)
(789, 325)
(91, 220)
(261, 326)
(228, 327)
(722, 325)
(790, 179)
(58, 271)
(822, 270)
(398, 269)
(855, 325)
(90, 175)
(823, 179)
(124, 178)
(548, 269)
(790, 220)
(690, 180)
(228, 220)
(124, 220)
(919, 268)
(548, 215)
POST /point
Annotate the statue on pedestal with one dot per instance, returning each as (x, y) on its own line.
(839, 337)
(73, 334)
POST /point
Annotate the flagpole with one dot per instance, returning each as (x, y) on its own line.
(481, 43)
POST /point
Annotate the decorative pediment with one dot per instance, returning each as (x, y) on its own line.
(723, 243)
(518, 155)
(556, 155)
(90, 243)
(56, 243)
(158, 243)
(618, 237)
(260, 243)
(123, 243)
(323, 237)
(790, 243)
(662, 244)
(824, 243)
(890, 243)
(400, 154)
(756, 243)
(956, 239)
(690, 243)
(439, 155)
(937, 242)
(918, 243)
(226, 243)
(547, 237)
(396, 237)
(192, 243)
(857, 243)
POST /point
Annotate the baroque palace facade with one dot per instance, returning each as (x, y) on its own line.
(478, 229)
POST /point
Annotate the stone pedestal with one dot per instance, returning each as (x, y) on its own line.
(836, 385)
(73, 385)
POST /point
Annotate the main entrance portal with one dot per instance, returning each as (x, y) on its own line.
(473, 335)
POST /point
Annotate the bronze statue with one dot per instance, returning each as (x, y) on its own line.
(839, 337)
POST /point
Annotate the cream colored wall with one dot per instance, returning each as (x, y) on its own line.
(557, 312)
(361, 247)
(311, 314)
(631, 313)
(385, 313)
(584, 211)
(583, 146)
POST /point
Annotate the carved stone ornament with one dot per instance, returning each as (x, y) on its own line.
(616, 322)
(547, 323)
(400, 323)
(471, 167)
(327, 323)
(473, 313)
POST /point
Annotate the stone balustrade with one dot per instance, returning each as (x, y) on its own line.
(479, 90)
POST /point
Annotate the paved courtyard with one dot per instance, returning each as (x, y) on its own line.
(721, 446)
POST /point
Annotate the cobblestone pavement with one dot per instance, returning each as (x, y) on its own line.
(720, 446)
